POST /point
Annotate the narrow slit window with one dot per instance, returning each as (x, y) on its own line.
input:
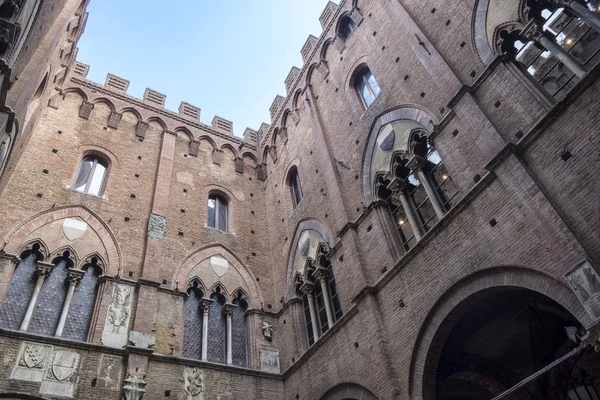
(367, 87)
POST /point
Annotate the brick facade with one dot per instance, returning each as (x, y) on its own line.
(523, 162)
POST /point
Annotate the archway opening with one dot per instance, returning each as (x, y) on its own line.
(498, 338)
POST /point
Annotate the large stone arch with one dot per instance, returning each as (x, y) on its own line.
(306, 224)
(14, 239)
(183, 273)
(348, 391)
(407, 111)
(437, 325)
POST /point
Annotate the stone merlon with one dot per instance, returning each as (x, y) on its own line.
(189, 111)
(154, 97)
(223, 125)
(327, 13)
(275, 106)
(291, 79)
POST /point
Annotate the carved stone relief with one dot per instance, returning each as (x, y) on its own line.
(117, 317)
(585, 282)
(31, 362)
(109, 374)
(193, 383)
(157, 227)
(134, 387)
(61, 374)
(269, 361)
(267, 330)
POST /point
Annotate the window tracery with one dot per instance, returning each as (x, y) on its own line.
(557, 45)
(51, 299)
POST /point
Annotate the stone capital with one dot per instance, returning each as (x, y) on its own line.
(228, 309)
(417, 163)
(205, 305)
(75, 276)
(43, 269)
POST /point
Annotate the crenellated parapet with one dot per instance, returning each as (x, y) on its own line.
(283, 110)
(151, 108)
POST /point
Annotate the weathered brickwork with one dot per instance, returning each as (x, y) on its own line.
(525, 219)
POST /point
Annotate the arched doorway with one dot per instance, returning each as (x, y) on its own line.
(497, 338)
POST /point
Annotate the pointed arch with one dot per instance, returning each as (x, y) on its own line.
(310, 72)
(106, 101)
(325, 48)
(405, 111)
(76, 90)
(196, 280)
(59, 253)
(14, 239)
(251, 156)
(159, 121)
(219, 288)
(35, 246)
(303, 225)
(185, 131)
(230, 148)
(134, 111)
(210, 140)
(217, 249)
(88, 260)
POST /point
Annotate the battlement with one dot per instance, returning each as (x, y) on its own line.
(223, 125)
(187, 112)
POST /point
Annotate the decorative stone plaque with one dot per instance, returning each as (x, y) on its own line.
(61, 374)
(585, 282)
(117, 317)
(157, 227)
(109, 373)
(193, 383)
(31, 362)
(269, 361)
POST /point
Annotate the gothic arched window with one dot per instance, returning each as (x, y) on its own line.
(239, 346)
(366, 86)
(557, 46)
(51, 299)
(193, 323)
(320, 298)
(92, 175)
(217, 329)
(217, 212)
(410, 175)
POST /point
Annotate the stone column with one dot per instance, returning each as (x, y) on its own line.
(308, 291)
(205, 305)
(322, 277)
(563, 56)
(584, 13)
(43, 269)
(399, 187)
(417, 164)
(228, 310)
(74, 277)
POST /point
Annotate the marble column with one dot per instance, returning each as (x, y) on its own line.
(307, 290)
(228, 310)
(563, 56)
(43, 269)
(205, 305)
(584, 13)
(322, 277)
(74, 277)
(417, 164)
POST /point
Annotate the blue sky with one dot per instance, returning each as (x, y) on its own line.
(230, 58)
